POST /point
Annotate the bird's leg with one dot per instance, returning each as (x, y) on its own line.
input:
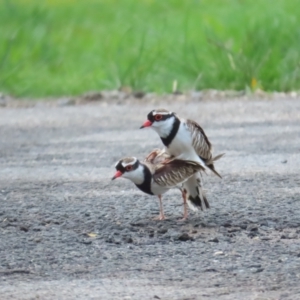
(161, 210)
(185, 211)
(167, 160)
(151, 156)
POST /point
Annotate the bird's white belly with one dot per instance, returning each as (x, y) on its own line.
(182, 148)
(182, 142)
(157, 189)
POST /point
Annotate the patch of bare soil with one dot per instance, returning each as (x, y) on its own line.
(67, 231)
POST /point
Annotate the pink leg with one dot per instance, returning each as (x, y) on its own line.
(185, 211)
(167, 160)
(151, 156)
(161, 210)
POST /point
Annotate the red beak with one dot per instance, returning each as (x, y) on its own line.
(118, 174)
(146, 124)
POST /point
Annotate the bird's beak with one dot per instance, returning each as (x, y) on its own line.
(146, 124)
(118, 174)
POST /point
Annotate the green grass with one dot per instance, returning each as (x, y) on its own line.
(65, 47)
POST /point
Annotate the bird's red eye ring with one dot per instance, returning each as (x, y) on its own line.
(128, 168)
(158, 117)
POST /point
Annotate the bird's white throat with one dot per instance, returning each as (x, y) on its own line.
(163, 128)
(136, 176)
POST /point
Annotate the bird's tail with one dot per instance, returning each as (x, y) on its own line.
(196, 198)
(210, 164)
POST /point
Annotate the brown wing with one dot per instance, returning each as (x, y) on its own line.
(201, 143)
(174, 172)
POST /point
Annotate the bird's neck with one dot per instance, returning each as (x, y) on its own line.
(167, 137)
(145, 185)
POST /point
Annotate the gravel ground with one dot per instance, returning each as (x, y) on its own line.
(67, 231)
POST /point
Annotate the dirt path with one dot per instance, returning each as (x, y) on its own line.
(67, 231)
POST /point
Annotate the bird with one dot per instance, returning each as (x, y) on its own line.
(184, 139)
(157, 174)
(158, 156)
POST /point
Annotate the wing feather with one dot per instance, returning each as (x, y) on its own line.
(200, 141)
(175, 172)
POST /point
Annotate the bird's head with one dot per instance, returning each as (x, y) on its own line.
(130, 168)
(161, 120)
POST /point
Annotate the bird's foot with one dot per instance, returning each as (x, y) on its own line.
(166, 161)
(151, 156)
(159, 218)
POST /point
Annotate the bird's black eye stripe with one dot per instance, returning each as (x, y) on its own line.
(151, 116)
(121, 168)
(158, 117)
(128, 168)
(135, 165)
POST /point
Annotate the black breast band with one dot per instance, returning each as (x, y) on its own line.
(146, 185)
(168, 140)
